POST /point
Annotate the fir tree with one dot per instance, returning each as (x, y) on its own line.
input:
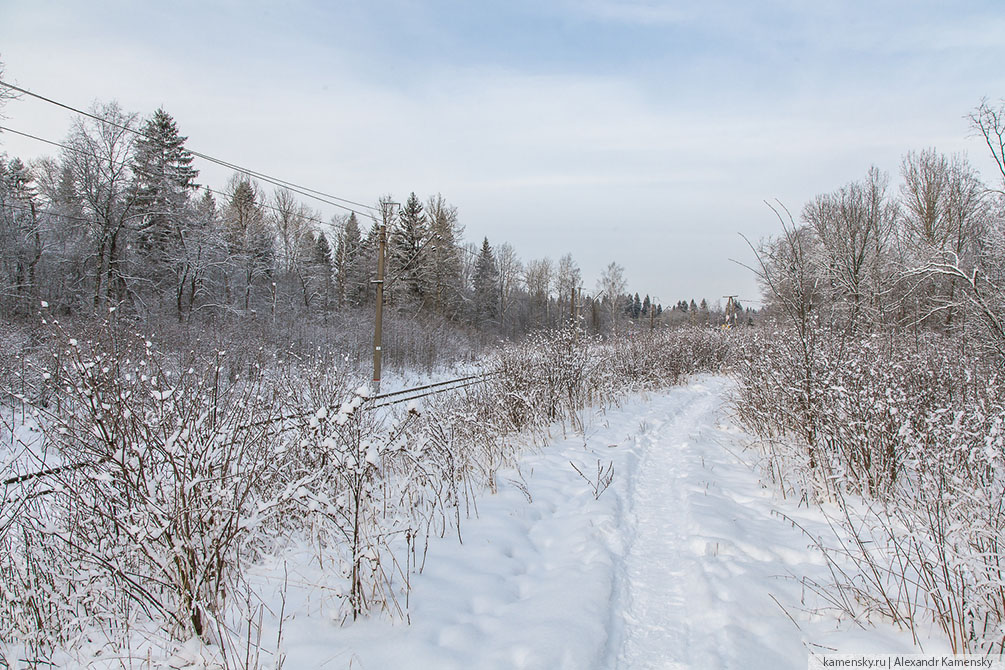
(163, 179)
(407, 254)
(321, 268)
(703, 316)
(486, 285)
(446, 257)
(348, 267)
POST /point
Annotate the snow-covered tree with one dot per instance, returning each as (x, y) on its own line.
(854, 226)
(539, 278)
(945, 218)
(295, 235)
(164, 180)
(486, 286)
(98, 178)
(249, 241)
(568, 279)
(20, 235)
(408, 254)
(447, 281)
(610, 288)
(351, 272)
(321, 270)
(510, 279)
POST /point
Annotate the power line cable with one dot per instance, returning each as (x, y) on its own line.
(47, 212)
(321, 196)
(203, 187)
(42, 139)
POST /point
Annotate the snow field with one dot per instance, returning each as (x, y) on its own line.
(683, 562)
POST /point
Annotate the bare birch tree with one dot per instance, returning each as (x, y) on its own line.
(97, 161)
(611, 288)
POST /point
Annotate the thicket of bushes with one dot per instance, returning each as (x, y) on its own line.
(171, 472)
(908, 435)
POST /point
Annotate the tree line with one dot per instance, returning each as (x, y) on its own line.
(928, 256)
(117, 223)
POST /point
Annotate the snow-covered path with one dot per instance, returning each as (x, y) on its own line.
(706, 552)
(684, 562)
(662, 617)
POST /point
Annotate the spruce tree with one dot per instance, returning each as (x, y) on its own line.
(408, 256)
(163, 179)
(163, 182)
(447, 281)
(321, 268)
(486, 285)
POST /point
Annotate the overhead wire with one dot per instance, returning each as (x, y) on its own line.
(48, 212)
(71, 217)
(410, 394)
(81, 152)
(321, 196)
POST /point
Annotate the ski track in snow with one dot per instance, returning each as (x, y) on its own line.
(677, 565)
(702, 561)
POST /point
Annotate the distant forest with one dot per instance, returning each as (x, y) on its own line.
(117, 226)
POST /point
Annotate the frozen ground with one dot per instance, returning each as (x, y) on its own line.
(682, 562)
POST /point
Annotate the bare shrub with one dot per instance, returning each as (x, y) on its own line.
(917, 432)
(161, 472)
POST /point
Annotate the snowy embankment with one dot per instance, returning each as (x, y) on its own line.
(684, 561)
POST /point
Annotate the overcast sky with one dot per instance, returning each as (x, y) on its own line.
(643, 132)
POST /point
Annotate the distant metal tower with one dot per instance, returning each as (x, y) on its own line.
(730, 311)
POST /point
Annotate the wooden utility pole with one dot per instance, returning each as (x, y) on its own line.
(379, 322)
